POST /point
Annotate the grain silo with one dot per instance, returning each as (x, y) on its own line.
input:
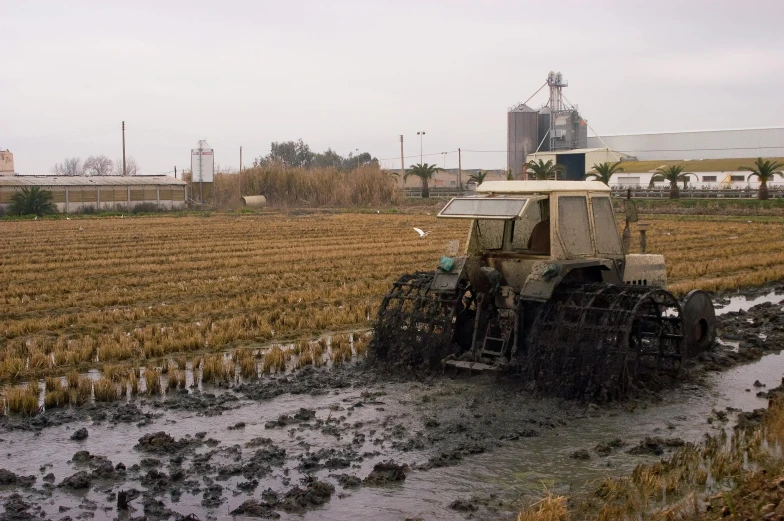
(202, 170)
(522, 137)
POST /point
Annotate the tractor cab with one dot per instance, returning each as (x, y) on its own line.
(517, 226)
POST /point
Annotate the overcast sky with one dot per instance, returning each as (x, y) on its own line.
(351, 75)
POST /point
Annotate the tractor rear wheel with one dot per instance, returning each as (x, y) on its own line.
(415, 325)
(601, 341)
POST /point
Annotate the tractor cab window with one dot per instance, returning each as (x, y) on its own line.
(574, 228)
(532, 230)
(490, 234)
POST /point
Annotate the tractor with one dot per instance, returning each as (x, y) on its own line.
(545, 288)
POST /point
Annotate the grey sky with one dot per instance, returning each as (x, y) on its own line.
(357, 74)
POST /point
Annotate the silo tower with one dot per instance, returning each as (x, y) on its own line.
(202, 168)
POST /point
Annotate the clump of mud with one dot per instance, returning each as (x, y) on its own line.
(8, 478)
(386, 472)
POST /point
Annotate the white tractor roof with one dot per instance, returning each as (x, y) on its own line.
(540, 187)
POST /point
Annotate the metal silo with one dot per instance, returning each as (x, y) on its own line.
(522, 133)
(544, 130)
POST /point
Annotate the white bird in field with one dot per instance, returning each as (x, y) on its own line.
(122, 216)
(422, 234)
(67, 218)
(36, 218)
(81, 229)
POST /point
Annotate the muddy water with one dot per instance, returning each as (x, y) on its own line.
(510, 471)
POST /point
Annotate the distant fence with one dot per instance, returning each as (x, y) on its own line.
(436, 191)
(697, 193)
(644, 193)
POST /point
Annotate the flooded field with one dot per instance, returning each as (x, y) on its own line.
(347, 443)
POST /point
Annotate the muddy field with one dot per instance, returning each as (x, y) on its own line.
(348, 443)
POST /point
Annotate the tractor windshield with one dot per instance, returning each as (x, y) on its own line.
(526, 232)
(484, 208)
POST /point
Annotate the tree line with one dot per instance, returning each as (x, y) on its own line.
(95, 165)
(297, 154)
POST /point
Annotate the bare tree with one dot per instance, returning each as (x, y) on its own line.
(98, 165)
(131, 166)
(71, 166)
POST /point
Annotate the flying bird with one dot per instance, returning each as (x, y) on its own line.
(422, 234)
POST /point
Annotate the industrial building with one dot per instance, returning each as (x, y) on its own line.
(554, 127)
(557, 132)
(702, 144)
(107, 193)
(577, 162)
(447, 178)
(6, 162)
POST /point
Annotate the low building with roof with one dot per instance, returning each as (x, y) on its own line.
(100, 193)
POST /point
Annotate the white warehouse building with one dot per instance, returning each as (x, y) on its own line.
(701, 144)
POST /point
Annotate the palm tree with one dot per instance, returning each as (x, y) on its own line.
(477, 178)
(425, 173)
(543, 171)
(604, 171)
(672, 174)
(32, 201)
(765, 170)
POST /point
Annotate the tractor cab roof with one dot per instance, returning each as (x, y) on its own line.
(539, 187)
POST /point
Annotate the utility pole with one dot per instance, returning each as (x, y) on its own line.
(175, 171)
(123, 135)
(402, 159)
(239, 177)
(459, 172)
(240, 158)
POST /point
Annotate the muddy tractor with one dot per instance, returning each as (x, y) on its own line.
(545, 288)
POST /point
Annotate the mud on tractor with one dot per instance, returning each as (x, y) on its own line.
(545, 288)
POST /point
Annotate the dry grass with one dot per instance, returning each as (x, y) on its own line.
(212, 368)
(551, 508)
(55, 395)
(121, 305)
(670, 489)
(340, 349)
(274, 361)
(133, 383)
(152, 381)
(176, 379)
(246, 362)
(106, 390)
(24, 399)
